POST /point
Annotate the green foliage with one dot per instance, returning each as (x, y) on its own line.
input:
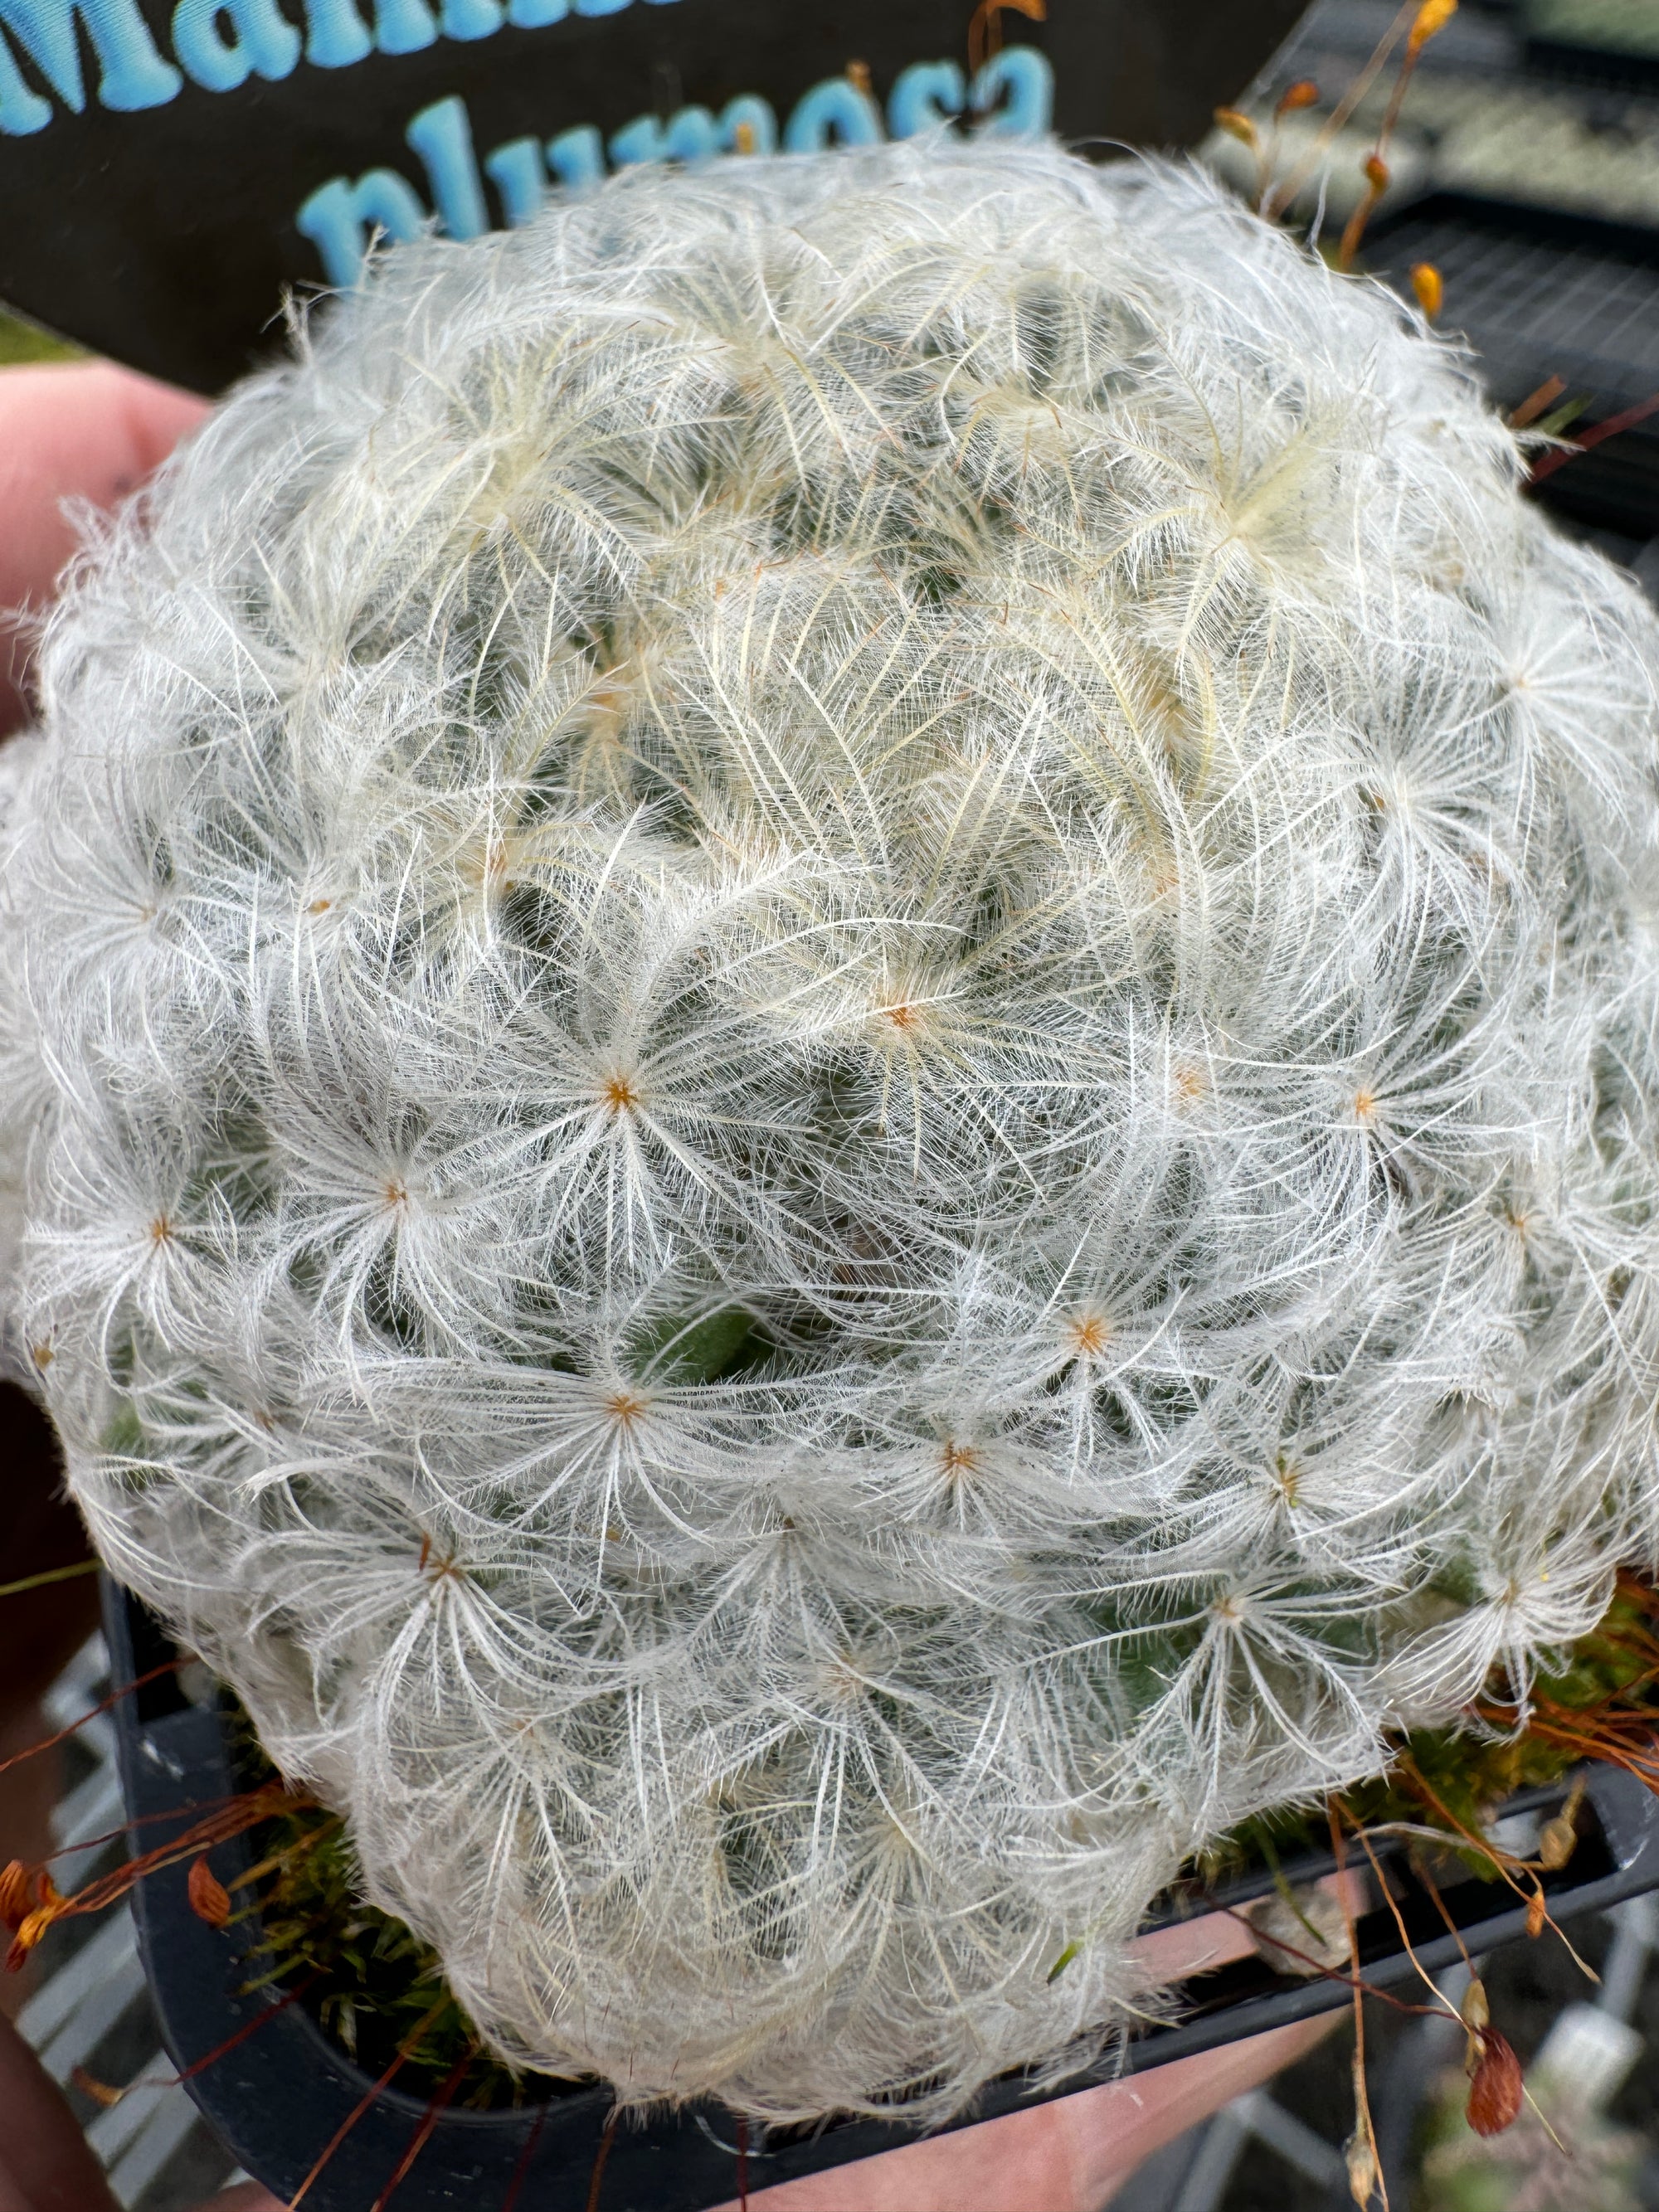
(22, 341)
(380, 1991)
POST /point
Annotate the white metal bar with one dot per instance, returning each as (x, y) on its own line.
(1294, 2141)
(102, 1955)
(165, 2129)
(1213, 2168)
(99, 2009)
(115, 2130)
(1635, 1934)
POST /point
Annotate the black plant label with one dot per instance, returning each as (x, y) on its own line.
(173, 170)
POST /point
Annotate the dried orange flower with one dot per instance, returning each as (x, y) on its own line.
(1430, 18)
(1430, 286)
(209, 1899)
(15, 1897)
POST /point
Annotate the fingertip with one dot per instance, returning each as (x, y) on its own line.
(157, 415)
(94, 428)
(69, 430)
(83, 429)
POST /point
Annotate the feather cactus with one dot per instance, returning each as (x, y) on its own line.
(829, 1071)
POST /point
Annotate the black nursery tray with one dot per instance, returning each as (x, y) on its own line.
(1568, 39)
(1543, 292)
(281, 2091)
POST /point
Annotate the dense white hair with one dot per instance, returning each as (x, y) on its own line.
(833, 1000)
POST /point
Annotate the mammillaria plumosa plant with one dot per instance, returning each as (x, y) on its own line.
(832, 1062)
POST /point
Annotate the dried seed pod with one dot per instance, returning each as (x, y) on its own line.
(34, 1926)
(1364, 2172)
(1474, 2011)
(1431, 18)
(1559, 1837)
(1430, 287)
(101, 2093)
(1556, 1843)
(1495, 2090)
(1305, 1933)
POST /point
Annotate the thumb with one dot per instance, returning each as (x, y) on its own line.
(69, 430)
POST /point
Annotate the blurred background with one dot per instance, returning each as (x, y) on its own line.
(1524, 172)
(1524, 168)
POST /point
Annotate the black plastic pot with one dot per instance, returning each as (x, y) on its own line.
(280, 2095)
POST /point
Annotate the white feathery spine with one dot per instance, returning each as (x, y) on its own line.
(829, 1032)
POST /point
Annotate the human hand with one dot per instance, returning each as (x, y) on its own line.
(74, 430)
(46, 2165)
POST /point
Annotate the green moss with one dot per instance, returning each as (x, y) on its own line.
(374, 1986)
(378, 1988)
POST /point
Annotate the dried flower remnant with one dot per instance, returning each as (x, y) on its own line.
(985, 28)
(209, 1899)
(101, 2093)
(1417, 26)
(16, 1898)
(46, 1904)
(1378, 177)
(1365, 2173)
(1430, 20)
(1559, 1837)
(1428, 286)
(853, 1625)
(1495, 2084)
(1237, 124)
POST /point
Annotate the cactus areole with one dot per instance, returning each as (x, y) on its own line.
(830, 1038)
